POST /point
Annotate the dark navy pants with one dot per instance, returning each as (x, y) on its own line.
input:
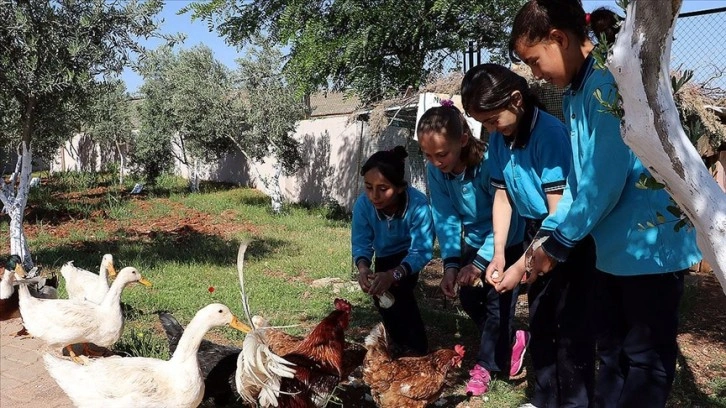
(492, 313)
(562, 346)
(402, 320)
(637, 324)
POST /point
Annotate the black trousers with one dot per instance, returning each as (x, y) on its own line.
(637, 324)
(492, 313)
(562, 344)
(402, 320)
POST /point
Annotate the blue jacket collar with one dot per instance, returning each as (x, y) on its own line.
(468, 174)
(582, 75)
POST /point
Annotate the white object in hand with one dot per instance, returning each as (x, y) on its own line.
(386, 300)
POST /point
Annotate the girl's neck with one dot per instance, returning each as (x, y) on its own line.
(586, 49)
(393, 208)
(459, 168)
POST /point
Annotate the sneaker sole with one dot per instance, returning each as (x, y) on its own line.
(521, 360)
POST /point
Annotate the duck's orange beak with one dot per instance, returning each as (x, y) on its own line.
(145, 282)
(111, 271)
(237, 324)
(19, 270)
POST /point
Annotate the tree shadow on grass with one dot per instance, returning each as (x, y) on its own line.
(686, 392)
(185, 245)
(255, 200)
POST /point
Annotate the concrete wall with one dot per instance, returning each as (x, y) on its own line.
(333, 150)
(80, 153)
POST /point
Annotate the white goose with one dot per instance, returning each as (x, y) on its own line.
(82, 284)
(62, 322)
(122, 382)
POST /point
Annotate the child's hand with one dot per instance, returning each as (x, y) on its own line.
(364, 277)
(511, 279)
(538, 263)
(381, 283)
(495, 270)
(470, 275)
(448, 282)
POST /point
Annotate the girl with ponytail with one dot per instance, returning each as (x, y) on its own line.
(461, 204)
(529, 159)
(638, 280)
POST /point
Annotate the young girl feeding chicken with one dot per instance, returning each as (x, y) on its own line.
(393, 234)
(461, 204)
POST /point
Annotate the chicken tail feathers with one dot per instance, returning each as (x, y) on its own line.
(260, 371)
(173, 330)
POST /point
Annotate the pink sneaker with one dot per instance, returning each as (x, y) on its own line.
(479, 382)
(521, 340)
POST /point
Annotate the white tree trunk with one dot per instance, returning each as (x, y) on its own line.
(651, 126)
(123, 163)
(276, 196)
(194, 179)
(14, 197)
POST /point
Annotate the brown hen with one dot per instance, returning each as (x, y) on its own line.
(407, 382)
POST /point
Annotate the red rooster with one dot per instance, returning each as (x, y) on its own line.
(408, 382)
(318, 360)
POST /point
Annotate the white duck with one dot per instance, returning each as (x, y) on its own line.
(62, 322)
(139, 381)
(82, 284)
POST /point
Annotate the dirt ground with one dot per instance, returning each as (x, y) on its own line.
(702, 338)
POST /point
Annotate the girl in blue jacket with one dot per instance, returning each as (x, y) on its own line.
(461, 204)
(529, 159)
(392, 226)
(639, 277)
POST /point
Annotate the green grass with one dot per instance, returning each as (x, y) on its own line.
(286, 254)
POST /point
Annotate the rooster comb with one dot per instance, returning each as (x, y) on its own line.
(459, 349)
(342, 304)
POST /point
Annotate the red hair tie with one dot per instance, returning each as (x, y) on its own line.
(587, 18)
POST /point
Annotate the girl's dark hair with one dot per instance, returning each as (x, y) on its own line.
(488, 87)
(537, 17)
(605, 23)
(390, 163)
(450, 122)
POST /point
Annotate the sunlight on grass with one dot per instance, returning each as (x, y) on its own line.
(191, 267)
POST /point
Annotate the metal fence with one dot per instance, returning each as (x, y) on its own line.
(698, 43)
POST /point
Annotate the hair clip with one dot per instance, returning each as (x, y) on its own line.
(447, 102)
(587, 18)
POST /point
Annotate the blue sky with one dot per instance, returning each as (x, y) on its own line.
(197, 33)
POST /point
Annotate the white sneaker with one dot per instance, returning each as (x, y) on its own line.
(528, 405)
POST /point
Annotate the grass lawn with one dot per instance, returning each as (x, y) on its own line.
(186, 244)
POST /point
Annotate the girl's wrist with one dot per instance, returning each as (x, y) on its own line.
(451, 270)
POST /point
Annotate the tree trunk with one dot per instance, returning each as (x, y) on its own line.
(194, 179)
(276, 196)
(14, 197)
(651, 126)
(121, 170)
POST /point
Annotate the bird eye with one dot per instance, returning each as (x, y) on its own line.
(220, 310)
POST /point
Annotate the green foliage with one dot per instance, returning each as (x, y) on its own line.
(271, 108)
(109, 119)
(51, 52)
(187, 111)
(142, 343)
(646, 182)
(376, 49)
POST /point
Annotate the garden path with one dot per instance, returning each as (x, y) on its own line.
(24, 382)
